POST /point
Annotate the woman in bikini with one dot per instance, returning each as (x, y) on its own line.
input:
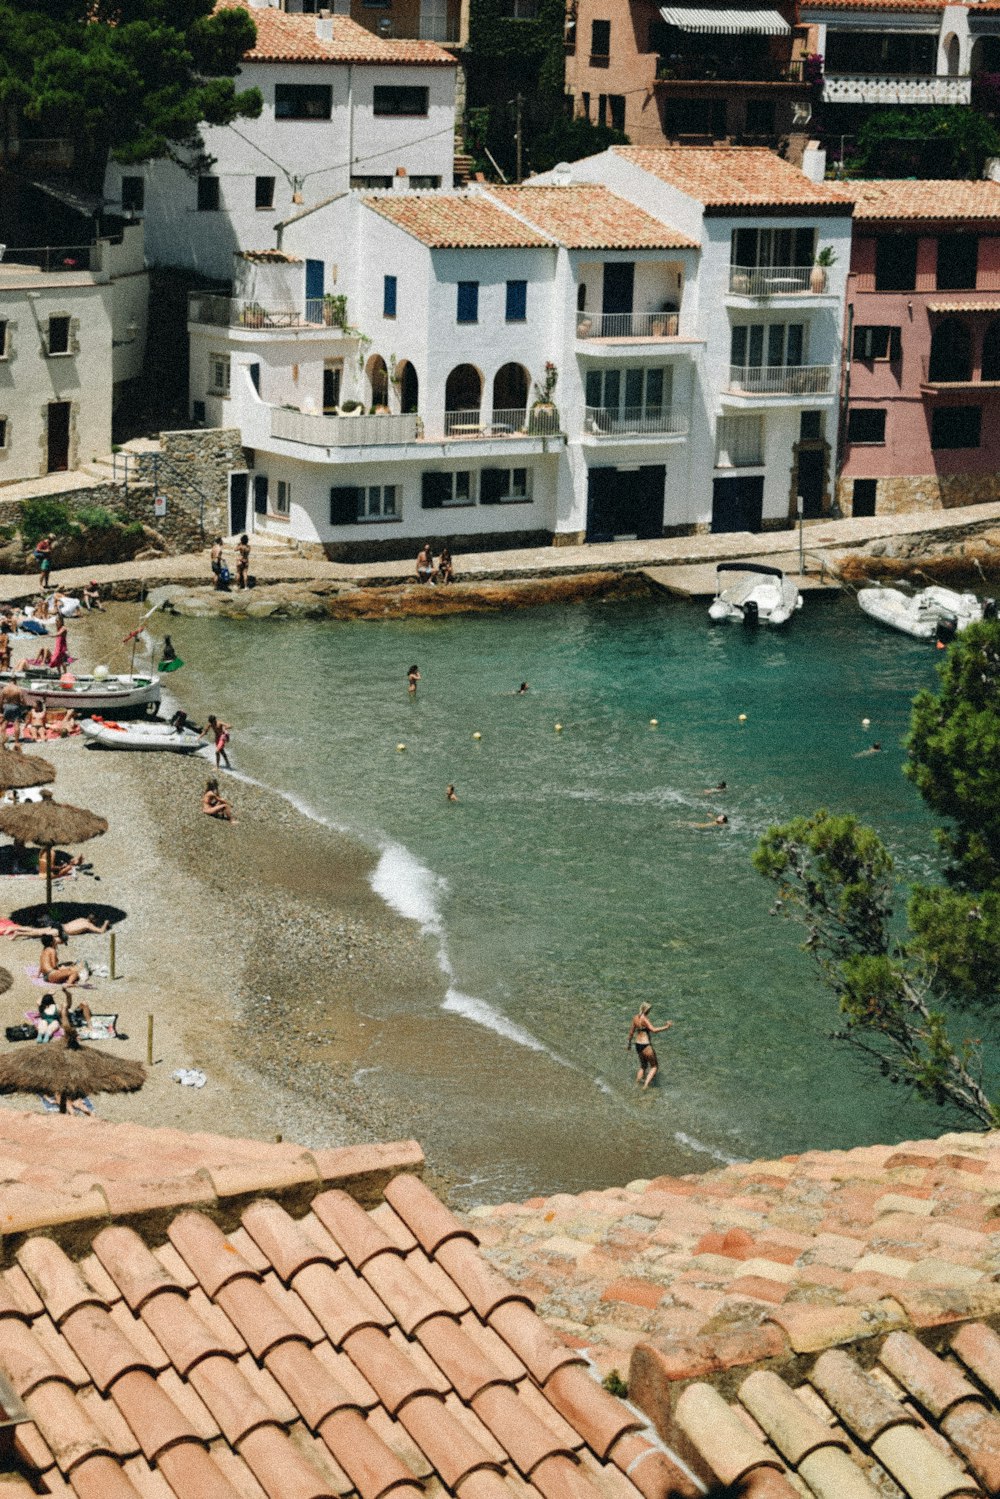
(642, 1030)
(52, 971)
(34, 724)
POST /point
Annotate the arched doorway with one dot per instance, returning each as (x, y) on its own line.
(985, 55)
(991, 352)
(463, 397)
(511, 384)
(951, 352)
(951, 56)
(378, 381)
(409, 387)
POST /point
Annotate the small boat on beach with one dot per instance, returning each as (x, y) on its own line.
(935, 613)
(758, 595)
(101, 692)
(143, 735)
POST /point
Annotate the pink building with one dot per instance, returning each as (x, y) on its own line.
(922, 354)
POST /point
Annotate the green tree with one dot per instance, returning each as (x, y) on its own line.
(133, 79)
(569, 140)
(936, 141)
(895, 986)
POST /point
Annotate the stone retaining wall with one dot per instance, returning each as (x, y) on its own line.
(192, 471)
(921, 493)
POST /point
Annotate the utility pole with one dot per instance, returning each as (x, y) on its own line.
(519, 134)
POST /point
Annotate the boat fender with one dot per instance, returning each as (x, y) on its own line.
(68, 680)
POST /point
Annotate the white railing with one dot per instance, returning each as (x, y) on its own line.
(881, 88)
(770, 280)
(633, 421)
(627, 324)
(241, 312)
(434, 29)
(517, 421)
(781, 379)
(343, 431)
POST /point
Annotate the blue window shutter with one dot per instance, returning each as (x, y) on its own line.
(468, 301)
(517, 301)
(389, 296)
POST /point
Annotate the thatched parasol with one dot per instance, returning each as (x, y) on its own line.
(47, 824)
(68, 1070)
(18, 771)
(6, 979)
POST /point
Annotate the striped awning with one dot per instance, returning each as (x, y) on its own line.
(725, 22)
(963, 306)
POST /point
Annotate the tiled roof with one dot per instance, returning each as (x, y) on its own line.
(456, 221)
(586, 216)
(337, 1353)
(293, 38)
(733, 176)
(808, 10)
(887, 199)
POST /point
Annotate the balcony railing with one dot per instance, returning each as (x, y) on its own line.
(770, 280)
(517, 421)
(942, 373)
(633, 421)
(48, 257)
(895, 88)
(781, 379)
(714, 69)
(627, 324)
(343, 431)
(433, 29)
(242, 312)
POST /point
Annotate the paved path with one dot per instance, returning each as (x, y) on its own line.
(273, 565)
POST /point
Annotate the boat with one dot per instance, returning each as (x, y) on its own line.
(935, 613)
(110, 734)
(102, 692)
(759, 595)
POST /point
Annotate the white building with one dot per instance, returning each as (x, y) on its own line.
(645, 350)
(72, 331)
(342, 107)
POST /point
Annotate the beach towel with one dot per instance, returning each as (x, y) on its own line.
(32, 970)
(51, 1105)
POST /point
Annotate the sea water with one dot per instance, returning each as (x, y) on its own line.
(570, 881)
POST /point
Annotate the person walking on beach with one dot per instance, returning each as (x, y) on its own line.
(214, 805)
(60, 655)
(243, 562)
(412, 678)
(43, 556)
(641, 1031)
(220, 736)
(216, 560)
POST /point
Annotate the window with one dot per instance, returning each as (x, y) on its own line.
(951, 352)
(133, 194)
(811, 426)
(398, 99)
(585, 105)
(351, 503)
(468, 302)
(332, 375)
(388, 296)
(208, 194)
(740, 441)
(517, 301)
(425, 182)
(3, 431)
(868, 52)
(600, 39)
(218, 374)
(863, 496)
(371, 184)
(695, 117)
(303, 101)
(895, 262)
(58, 335)
(758, 249)
(643, 391)
(198, 411)
(760, 117)
(875, 341)
(505, 486)
(776, 345)
(3, 339)
(866, 424)
(602, 109)
(957, 258)
(581, 297)
(956, 427)
(438, 490)
(263, 192)
(283, 500)
(616, 109)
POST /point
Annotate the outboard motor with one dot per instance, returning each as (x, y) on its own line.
(751, 614)
(989, 608)
(947, 629)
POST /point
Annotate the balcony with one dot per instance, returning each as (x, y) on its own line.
(895, 88)
(236, 312)
(943, 375)
(781, 379)
(343, 431)
(636, 325)
(741, 70)
(771, 280)
(634, 421)
(539, 421)
(47, 258)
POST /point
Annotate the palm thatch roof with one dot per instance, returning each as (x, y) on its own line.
(47, 823)
(68, 1070)
(6, 979)
(18, 771)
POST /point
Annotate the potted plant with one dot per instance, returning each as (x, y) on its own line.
(350, 408)
(252, 315)
(818, 275)
(544, 417)
(334, 310)
(584, 323)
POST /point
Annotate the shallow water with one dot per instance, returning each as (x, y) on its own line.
(568, 884)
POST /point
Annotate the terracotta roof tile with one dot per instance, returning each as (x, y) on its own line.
(101, 1477)
(371, 1466)
(334, 1303)
(354, 1230)
(284, 1242)
(208, 1253)
(520, 1433)
(468, 220)
(423, 1214)
(189, 1469)
(586, 216)
(57, 1280)
(295, 38)
(884, 199)
(256, 1317)
(733, 176)
(102, 1348)
(485, 1289)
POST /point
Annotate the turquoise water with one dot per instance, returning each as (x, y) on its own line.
(568, 884)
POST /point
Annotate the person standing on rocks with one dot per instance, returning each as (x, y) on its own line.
(216, 560)
(243, 562)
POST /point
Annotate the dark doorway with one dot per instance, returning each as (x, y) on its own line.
(409, 389)
(738, 504)
(812, 471)
(619, 286)
(239, 485)
(58, 437)
(331, 386)
(314, 291)
(863, 496)
(260, 494)
(625, 503)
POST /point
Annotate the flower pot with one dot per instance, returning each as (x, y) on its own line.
(817, 279)
(659, 325)
(583, 327)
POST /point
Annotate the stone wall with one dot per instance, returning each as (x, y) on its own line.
(394, 551)
(916, 494)
(192, 471)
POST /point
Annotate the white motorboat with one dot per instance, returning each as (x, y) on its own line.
(111, 734)
(102, 692)
(757, 595)
(935, 613)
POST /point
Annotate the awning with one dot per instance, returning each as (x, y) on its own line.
(726, 22)
(963, 306)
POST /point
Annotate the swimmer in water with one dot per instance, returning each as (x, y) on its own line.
(722, 821)
(412, 678)
(449, 794)
(875, 749)
(521, 690)
(714, 790)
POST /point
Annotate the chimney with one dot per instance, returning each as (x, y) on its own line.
(324, 26)
(814, 162)
(401, 181)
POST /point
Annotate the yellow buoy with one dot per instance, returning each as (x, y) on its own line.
(401, 746)
(477, 735)
(558, 728)
(654, 723)
(743, 718)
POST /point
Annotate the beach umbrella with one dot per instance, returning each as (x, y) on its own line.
(68, 1070)
(6, 979)
(19, 771)
(47, 824)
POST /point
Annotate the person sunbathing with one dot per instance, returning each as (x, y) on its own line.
(57, 863)
(34, 725)
(77, 926)
(214, 805)
(53, 972)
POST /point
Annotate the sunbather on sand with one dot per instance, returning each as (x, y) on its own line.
(214, 805)
(77, 926)
(61, 863)
(54, 972)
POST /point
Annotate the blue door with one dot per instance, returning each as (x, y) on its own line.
(314, 291)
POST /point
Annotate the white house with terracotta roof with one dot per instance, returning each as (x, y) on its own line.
(343, 108)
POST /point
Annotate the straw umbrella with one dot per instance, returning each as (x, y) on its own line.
(6, 979)
(68, 1070)
(46, 824)
(19, 771)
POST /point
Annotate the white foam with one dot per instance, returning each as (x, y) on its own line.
(481, 1013)
(409, 887)
(702, 1149)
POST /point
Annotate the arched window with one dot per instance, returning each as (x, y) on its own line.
(463, 390)
(986, 55)
(951, 55)
(511, 384)
(378, 380)
(951, 352)
(409, 387)
(991, 352)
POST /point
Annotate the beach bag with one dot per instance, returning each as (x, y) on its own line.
(20, 1032)
(224, 575)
